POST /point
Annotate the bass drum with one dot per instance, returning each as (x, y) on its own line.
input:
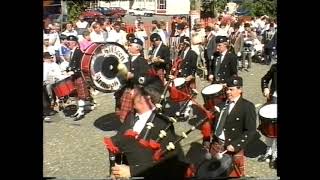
(99, 65)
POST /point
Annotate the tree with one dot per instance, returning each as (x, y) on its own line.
(261, 7)
(210, 8)
(75, 8)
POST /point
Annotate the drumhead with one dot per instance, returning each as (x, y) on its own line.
(269, 111)
(212, 89)
(179, 81)
(102, 67)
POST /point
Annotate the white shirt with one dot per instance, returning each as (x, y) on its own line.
(83, 24)
(222, 55)
(119, 37)
(95, 37)
(143, 118)
(231, 105)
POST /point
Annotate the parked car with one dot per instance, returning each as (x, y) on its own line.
(141, 12)
(105, 11)
(91, 13)
(118, 11)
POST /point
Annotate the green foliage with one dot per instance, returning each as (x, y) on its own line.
(210, 8)
(75, 8)
(262, 7)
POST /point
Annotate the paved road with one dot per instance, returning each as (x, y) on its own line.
(76, 150)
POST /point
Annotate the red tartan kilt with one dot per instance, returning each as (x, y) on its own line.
(126, 104)
(239, 162)
(81, 88)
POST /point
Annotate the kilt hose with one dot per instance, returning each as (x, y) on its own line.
(238, 164)
(126, 104)
(81, 88)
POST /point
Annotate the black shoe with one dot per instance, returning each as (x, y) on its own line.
(78, 117)
(264, 158)
(246, 69)
(50, 113)
(273, 163)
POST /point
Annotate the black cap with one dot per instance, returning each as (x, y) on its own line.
(234, 81)
(221, 39)
(46, 55)
(155, 37)
(136, 41)
(185, 39)
(72, 38)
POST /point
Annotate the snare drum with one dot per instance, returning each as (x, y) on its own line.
(212, 95)
(64, 87)
(268, 120)
(180, 83)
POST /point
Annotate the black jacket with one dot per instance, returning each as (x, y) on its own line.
(240, 125)
(140, 159)
(228, 67)
(163, 53)
(75, 61)
(270, 76)
(188, 64)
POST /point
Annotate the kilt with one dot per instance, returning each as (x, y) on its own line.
(239, 162)
(81, 88)
(126, 104)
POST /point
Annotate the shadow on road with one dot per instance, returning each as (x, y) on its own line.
(108, 122)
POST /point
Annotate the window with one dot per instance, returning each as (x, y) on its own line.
(161, 4)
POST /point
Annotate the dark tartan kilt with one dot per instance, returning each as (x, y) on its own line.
(81, 88)
(239, 162)
(126, 105)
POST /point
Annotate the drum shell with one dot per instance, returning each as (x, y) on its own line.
(210, 99)
(86, 62)
(63, 87)
(268, 126)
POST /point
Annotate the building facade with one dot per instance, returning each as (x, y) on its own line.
(161, 7)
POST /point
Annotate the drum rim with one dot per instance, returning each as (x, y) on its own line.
(178, 80)
(212, 86)
(91, 55)
(268, 105)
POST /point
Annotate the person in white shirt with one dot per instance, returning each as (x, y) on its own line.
(141, 33)
(117, 35)
(97, 34)
(69, 30)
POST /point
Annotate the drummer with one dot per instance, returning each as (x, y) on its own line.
(236, 125)
(81, 86)
(224, 64)
(271, 94)
(188, 66)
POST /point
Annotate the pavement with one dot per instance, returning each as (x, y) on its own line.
(75, 150)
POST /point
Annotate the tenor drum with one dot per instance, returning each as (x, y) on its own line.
(212, 95)
(64, 87)
(268, 120)
(99, 65)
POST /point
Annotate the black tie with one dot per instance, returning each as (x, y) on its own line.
(225, 112)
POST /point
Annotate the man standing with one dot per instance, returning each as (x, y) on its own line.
(159, 56)
(271, 94)
(224, 64)
(75, 70)
(137, 70)
(236, 125)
